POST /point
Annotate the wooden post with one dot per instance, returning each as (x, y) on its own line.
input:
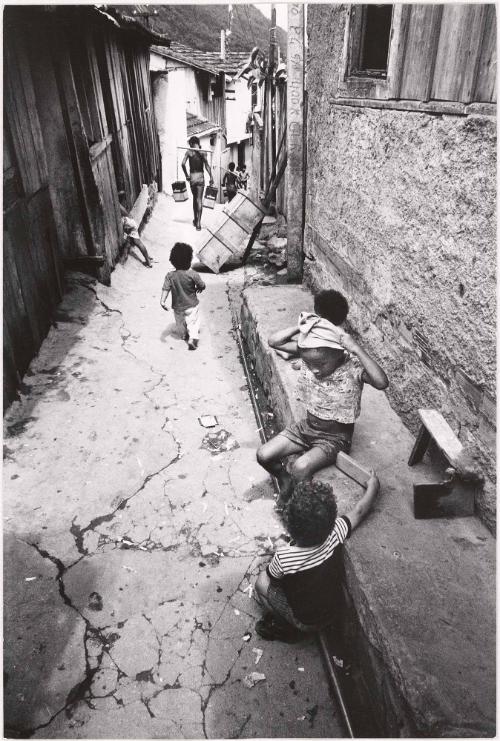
(295, 142)
(272, 67)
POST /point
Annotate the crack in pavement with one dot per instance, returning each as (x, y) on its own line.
(81, 690)
(78, 532)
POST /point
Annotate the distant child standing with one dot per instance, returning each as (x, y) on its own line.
(230, 181)
(243, 177)
(184, 284)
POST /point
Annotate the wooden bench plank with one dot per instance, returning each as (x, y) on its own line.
(441, 433)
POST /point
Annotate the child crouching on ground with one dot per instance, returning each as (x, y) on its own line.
(334, 369)
(300, 590)
(184, 284)
(330, 305)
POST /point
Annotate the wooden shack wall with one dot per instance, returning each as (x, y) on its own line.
(78, 127)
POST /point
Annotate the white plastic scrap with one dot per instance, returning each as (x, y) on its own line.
(30, 578)
(301, 717)
(252, 679)
(249, 589)
(258, 654)
(300, 669)
(236, 612)
(247, 637)
(337, 661)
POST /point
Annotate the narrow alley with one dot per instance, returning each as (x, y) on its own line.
(134, 534)
(330, 171)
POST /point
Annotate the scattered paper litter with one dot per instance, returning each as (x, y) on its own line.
(208, 420)
(247, 637)
(337, 661)
(258, 654)
(249, 589)
(236, 612)
(300, 669)
(252, 679)
(30, 578)
(301, 717)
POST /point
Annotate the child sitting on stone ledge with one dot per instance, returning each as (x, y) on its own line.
(334, 369)
(301, 587)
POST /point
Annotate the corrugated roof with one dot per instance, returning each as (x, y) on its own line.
(199, 125)
(207, 60)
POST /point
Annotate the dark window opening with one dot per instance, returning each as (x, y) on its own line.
(373, 49)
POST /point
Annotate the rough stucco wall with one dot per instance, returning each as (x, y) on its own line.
(401, 217)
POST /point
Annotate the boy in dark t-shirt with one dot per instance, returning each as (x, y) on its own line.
(184, 284)
(300, 588)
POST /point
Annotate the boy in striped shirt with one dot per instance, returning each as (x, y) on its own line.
(300, 588)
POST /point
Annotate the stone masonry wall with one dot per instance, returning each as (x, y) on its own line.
(400, 216)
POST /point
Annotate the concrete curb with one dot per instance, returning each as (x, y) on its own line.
(419, 589)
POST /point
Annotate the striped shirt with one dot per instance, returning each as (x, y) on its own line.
(305, 572)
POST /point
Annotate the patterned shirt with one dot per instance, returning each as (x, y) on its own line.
(336, 397)
(305, 574)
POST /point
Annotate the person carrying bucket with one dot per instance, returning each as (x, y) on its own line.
(197, 161)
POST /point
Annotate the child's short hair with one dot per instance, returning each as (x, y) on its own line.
(231, 166)
(193, 140)
(331, 305)
(181, 255)
(311, 512)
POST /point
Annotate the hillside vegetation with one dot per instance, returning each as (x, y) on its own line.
(199, 26)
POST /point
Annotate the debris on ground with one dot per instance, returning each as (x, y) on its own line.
(253, 678)
(208, 420)
(249, 589)
(219, 442)
(247, 637)
(258, 654)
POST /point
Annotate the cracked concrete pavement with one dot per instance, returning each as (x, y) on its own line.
(129, 548)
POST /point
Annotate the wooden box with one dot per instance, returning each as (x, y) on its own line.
(210, 196)
(179, 191)
(245, 212)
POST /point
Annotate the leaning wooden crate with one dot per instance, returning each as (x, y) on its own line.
(179, 191)
(244, 212)
(210, 196)
(213, 252)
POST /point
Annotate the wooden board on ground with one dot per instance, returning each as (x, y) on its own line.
(352, 468)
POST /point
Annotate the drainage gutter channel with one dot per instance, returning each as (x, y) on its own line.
(333, 674)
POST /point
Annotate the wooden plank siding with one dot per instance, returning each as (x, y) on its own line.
(442, 53)
(77, 128)
(486, 71)
(458, 51)
(421, 49)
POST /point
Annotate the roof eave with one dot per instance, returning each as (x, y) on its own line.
(127, 23)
